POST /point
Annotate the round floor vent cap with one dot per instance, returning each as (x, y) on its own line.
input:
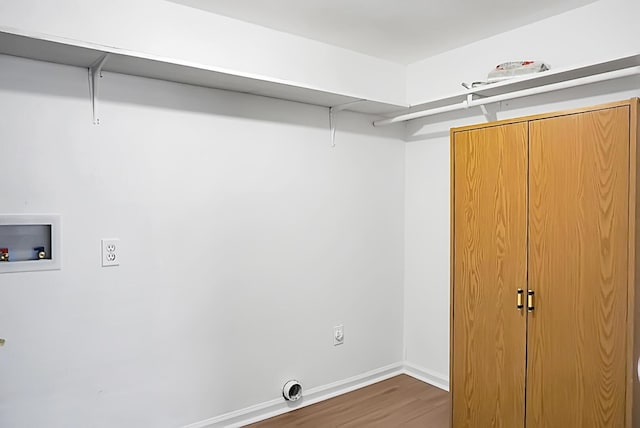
(292, 390)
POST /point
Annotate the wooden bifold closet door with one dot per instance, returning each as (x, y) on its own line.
(578, 223)
(543, 214)
(490, 246)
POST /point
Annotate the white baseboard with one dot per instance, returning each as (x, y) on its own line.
(427, 376)
(269, 409)
(278, 406)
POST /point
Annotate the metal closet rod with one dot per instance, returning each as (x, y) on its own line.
(610, 75)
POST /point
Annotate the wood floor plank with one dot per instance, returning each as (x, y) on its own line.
(401, 401)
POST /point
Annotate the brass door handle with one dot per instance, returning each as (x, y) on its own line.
(530, 306)
(519, 300)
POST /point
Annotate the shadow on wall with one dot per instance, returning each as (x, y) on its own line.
(29, 76)
(439, 126)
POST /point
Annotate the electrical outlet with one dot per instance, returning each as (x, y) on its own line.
(338, 335)
(110, 252)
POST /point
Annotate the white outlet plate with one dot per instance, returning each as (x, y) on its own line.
(338, 335)
(110, 252)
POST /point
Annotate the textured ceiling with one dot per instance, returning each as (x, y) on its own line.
(403, 31)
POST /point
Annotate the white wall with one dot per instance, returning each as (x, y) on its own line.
(245, 238)
(167, 29)
(427, 205)
(598, 31)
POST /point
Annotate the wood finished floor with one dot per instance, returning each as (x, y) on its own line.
(401, 401)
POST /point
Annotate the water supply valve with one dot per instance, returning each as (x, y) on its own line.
(40, 253)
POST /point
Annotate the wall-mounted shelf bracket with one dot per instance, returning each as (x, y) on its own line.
(95, 74)
(469, 98)
(332, 119)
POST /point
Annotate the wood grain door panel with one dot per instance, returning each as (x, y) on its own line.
(490, 253)
(578, 257)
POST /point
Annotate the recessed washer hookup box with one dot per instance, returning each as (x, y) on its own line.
(30, 242)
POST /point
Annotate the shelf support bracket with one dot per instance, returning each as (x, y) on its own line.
(332, 118)
(490, 117)
(95, 74)
(332, 126)
(469, 99)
